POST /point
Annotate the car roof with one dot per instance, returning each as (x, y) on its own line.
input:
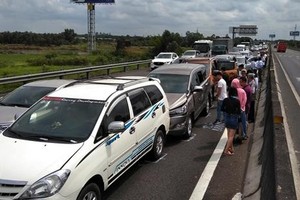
(182, 68)
(98, 89)
(50, 83)
(224, 57)
(166, 52)
(191, 50)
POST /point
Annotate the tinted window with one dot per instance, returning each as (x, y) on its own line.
(197, 79)
(154, 94)
(25, 96)
(119, 111)
(139, 101)
(58, 119)
(172, 83)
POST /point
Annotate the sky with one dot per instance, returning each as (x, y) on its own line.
(153, 17)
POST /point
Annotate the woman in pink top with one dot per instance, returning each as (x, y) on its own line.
(243, 100)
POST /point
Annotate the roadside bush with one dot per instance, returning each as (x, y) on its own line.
(76, 61)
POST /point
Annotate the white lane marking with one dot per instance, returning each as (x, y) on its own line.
(298, 79)
(292, 154)
(288, 80)
(209, 169)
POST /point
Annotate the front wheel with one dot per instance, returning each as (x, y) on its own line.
(90, 192)
(205, 111)
(158, 145)
(189, 126)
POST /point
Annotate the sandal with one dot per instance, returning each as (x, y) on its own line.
(228, 153)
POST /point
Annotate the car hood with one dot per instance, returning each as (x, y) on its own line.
(176, 100)
(8, 113)
(162, 60)
(29, 161)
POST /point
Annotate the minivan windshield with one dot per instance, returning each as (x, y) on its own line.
(57, 120)
(173, 83)
(25, 96)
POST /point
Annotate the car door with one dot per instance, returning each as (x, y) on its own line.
(144, 119)
(197, 79)
(119, 146)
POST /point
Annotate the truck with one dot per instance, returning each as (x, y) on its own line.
(221, 46)
(204, 46)
(281, 47)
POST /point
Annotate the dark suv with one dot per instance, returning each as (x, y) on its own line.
(188, 90)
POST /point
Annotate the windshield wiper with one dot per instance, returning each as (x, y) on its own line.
(15, 104)
(51, 138)
(13, 133)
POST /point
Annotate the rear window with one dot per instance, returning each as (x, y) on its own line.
(172, 83)
(226, 65)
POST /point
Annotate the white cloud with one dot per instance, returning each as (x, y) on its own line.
(152, 17)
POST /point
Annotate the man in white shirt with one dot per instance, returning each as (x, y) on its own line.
(221, 95)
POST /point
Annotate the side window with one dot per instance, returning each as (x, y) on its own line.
(200, 76)
(118, 111)
(195, 80)
(139, 101)
(153, 93)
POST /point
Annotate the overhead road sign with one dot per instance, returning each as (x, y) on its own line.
(247, 30)
(294, 33)
(244, 30)
(272, 36)
(92, 1)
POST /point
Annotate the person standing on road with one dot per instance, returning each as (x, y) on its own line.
(248, 90)
(243, 100)
(232, 110)
(221, 95)
(252, 84)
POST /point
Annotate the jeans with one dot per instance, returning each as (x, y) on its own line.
(244, 124)
(219, 112)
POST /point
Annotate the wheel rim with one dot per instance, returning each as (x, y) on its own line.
(90, 196)
(207, 106)
(159, 144)
(189, 128)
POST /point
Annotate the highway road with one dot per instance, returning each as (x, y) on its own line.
(177, 175)
(287, 72)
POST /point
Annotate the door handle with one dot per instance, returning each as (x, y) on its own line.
(132, 130)
(153, 114)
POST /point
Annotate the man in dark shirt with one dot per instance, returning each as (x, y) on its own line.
(248, 90)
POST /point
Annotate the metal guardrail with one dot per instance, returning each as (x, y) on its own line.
(62, 73)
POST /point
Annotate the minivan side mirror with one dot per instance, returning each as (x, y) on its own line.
(198, 88)
(116, 127)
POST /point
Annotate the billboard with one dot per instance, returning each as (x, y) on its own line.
(247, 30)
(92, 1)
(250, 30)
(294, 33)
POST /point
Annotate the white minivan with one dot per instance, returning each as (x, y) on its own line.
(75, 142)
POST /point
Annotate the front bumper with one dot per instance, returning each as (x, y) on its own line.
(178, 125)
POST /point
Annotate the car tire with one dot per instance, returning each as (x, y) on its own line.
(158, 145)
(205, 110)
(188, 130)
(91, 191)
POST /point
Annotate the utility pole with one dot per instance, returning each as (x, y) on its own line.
(295, 31)
(91, 27)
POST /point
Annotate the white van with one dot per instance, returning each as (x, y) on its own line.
(241, 47)
(75, 142)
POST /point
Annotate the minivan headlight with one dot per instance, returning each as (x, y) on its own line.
(47, 186)
(180, 110)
